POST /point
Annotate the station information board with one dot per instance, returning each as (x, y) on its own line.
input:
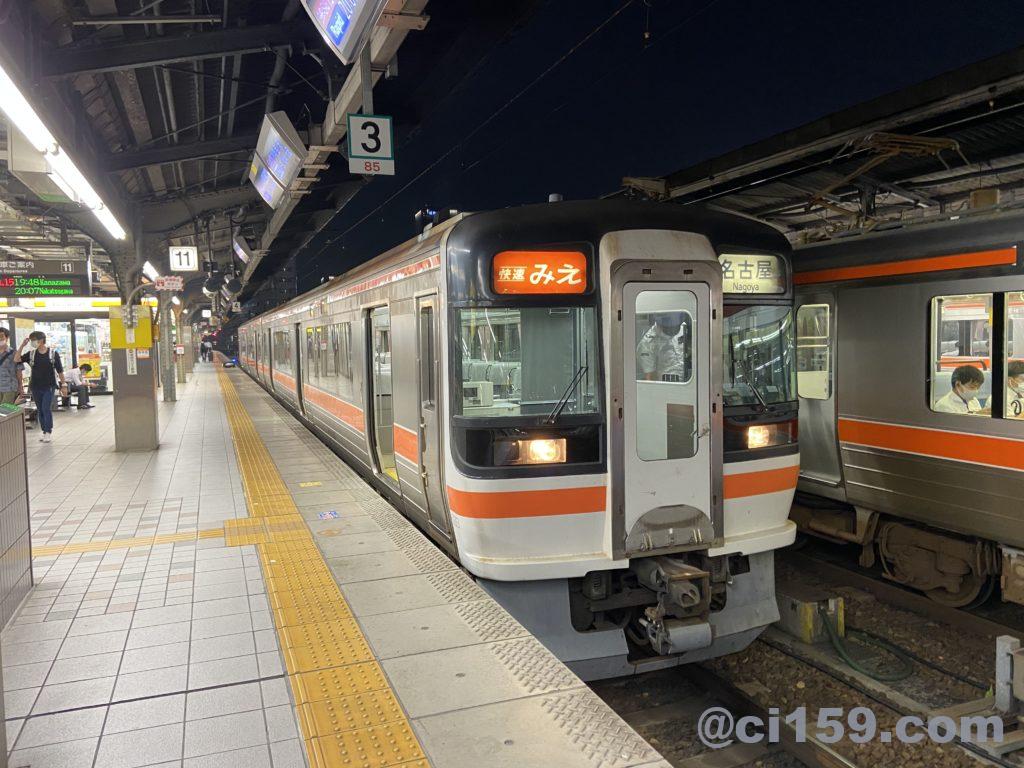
(345, 25)
(48, 277)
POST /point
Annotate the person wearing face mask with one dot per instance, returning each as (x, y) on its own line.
(46, 376)
(10, 371)
(1015, 389)
(661, 354)
(966, 382)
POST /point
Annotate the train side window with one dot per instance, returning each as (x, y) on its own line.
(813, 352)
(343, 332)
(961, 357)
(426, 350)
(312, 372)
(1013, 355)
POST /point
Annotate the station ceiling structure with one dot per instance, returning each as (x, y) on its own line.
(160, 104)
(949, 147)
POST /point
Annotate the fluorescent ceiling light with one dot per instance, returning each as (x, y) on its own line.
(150, 271)
(65, 173)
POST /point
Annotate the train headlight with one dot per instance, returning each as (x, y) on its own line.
(759, 436)
(545, 451)
(535, 451)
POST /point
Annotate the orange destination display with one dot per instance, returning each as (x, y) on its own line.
(543, 272)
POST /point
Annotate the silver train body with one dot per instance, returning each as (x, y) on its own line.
(884, 322)
(484, 378)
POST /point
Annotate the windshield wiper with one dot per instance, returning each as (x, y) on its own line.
(557, 411)
(750, 383)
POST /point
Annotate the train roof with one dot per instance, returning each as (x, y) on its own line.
(590, 220)
(562, 222)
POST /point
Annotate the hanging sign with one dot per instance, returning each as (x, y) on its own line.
(370, 145)
(183, 258)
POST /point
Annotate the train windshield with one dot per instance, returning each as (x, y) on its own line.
(526, 361)
(758, 355)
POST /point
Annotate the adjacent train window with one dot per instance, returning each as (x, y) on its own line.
(666, 390)
(813, 352)
(1013, 355)
(961, 364)
(427, 356)
(343, 339)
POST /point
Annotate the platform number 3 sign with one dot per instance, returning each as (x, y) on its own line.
(370, 151)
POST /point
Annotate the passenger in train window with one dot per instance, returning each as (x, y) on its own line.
(1015, 389)
(663, 351)
(963, 398)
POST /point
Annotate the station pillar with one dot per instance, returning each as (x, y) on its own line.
(133, 359)
(168, 374)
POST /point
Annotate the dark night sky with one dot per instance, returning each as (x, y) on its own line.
(572, 100)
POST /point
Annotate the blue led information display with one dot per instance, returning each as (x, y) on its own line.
(345, 24)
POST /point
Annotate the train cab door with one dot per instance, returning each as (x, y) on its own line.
(429, 367)
(666, 371)
(820, 462)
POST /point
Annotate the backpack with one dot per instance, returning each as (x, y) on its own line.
(49, 353)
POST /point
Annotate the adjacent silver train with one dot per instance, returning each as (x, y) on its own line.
(484, 377)
(910, 347)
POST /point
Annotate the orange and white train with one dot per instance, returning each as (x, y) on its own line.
(484, 377)
(929, 482)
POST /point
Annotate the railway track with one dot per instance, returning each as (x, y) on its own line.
(901, 597)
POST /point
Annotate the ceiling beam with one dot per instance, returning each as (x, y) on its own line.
(193, 150)
(69, 61)
(102, 21)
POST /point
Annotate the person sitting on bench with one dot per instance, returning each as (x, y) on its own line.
(77, 384)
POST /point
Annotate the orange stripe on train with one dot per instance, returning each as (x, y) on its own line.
(346, 412)
(997, 258)
(407, 444)
(743, 484)
(506, 504)
(576, 501)
(959, 446)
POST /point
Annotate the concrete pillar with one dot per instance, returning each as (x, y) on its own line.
(168, 375)
(133, 360)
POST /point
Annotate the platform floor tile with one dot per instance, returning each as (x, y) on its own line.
(147, 640)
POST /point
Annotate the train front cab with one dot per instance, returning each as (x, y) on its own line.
(588, 496)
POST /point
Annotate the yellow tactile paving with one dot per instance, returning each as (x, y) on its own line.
(363, 710)
(139, 541)
(391, 744)
(349, 716)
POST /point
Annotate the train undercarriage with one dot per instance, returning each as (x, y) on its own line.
(954, 570)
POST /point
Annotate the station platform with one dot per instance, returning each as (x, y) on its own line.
(241, 597)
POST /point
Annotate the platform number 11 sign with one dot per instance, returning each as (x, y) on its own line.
(183, 258)
(370, 146)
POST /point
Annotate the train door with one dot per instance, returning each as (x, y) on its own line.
(815, 350)
(382, 431)
(429, 423)
(666, 382)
